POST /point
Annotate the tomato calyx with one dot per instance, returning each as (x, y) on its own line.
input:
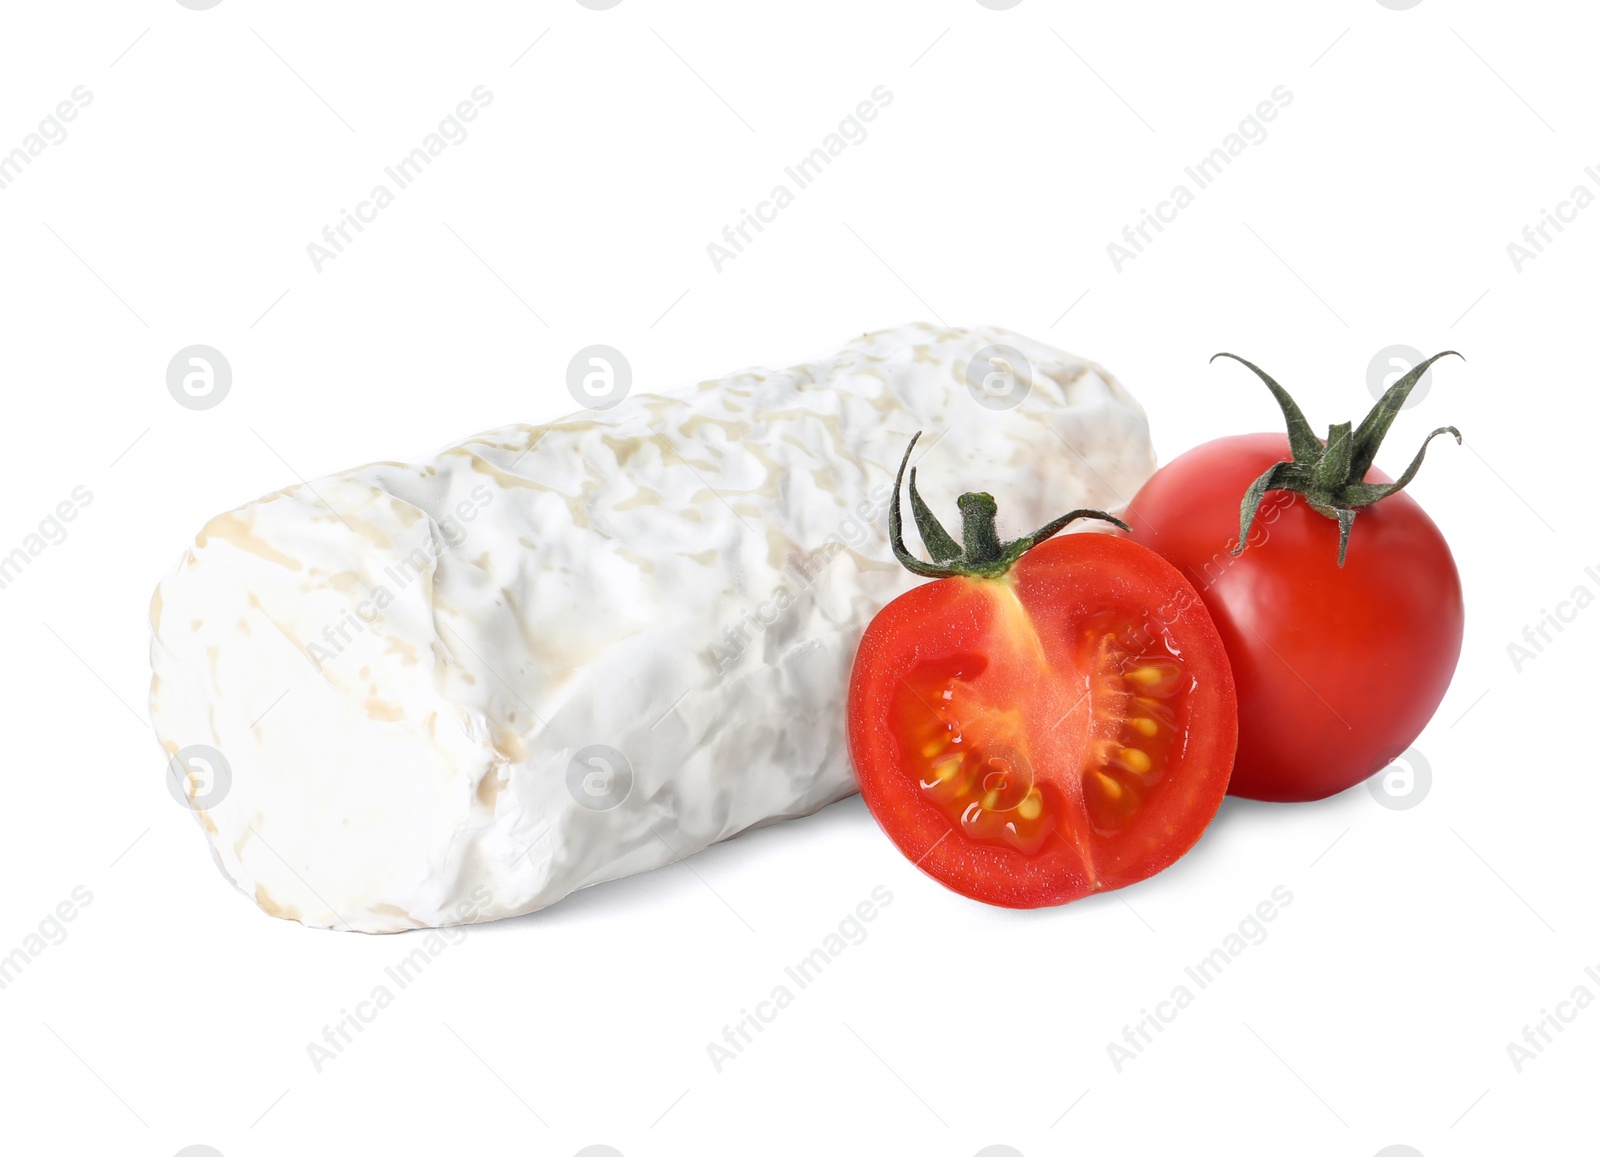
(980, 553)
(1330, 475)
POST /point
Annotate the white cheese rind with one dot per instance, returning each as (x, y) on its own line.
(400, 692)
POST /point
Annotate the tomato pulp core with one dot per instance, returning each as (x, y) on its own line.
(1062, 727)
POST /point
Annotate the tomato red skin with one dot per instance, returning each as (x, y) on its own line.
(936, 618)
(1338, 670)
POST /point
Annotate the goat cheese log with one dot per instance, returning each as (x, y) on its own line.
(550, 656)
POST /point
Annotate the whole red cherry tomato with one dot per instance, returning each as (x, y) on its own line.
(1343, 631)
(1044, 720)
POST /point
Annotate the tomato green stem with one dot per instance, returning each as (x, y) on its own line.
(1331, 475)
(979, 536)
(981, 553)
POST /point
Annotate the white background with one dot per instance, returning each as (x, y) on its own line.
(1019, 143)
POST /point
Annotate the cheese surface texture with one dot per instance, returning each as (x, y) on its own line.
(460, 689)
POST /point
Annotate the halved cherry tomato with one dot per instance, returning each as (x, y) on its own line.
(1062, 727)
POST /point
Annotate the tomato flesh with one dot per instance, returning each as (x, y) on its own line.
(1064, 729)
